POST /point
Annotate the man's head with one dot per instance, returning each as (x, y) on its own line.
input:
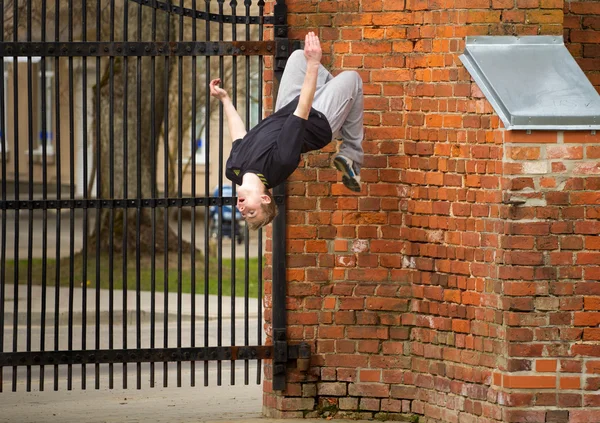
(257, 207)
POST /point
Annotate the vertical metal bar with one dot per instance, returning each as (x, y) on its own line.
(279, 242)
(98, 188)
(279, 287)
(261, 9)
(58, 162)
(247, 3)
(206, 193)
(220, 231)
(154, 196)
(16, 127)
(138, 288)
(3, 144)
(233, 194)
(125, 182)
(30, 186)
(193, 148)
(179, 192)
(44, 195)
(85, 223)
(166, 210)
(111, 188)
(72, 211)
(246, 302)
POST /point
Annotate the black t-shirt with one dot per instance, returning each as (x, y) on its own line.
(272, 148)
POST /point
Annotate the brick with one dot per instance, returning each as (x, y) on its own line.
(566, 152)
(332, 389)
(593, 367)
(583, 416)
(524, 153)
(586, 319)
(570, 382)
(369, 375)
(534, 137)
(570, 366)
(557, 416)
(529, 382)
(545, 365)
(368, 390)
(404, 392)
(391, 304)
(581, 137)
(524, 416)
(348, 403)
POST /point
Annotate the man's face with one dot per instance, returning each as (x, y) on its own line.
(249, 205)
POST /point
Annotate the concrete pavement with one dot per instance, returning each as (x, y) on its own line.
(239, 404)
(174, 405)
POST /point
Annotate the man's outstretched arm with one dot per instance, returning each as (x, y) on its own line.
(313, 53)
(236, 126)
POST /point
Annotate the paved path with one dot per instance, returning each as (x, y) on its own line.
(149, 405)
(239, 404)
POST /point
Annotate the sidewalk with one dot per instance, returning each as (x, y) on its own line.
(145, 299)
(240, 404)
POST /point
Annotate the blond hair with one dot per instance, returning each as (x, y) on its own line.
(269, 212)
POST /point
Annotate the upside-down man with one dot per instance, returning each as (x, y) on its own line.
(312, 107)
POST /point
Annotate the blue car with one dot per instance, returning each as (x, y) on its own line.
(229, 212)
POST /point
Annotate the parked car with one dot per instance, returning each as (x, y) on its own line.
(228, 216)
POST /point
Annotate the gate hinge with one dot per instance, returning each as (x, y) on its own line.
(284, 353)
(301, 352)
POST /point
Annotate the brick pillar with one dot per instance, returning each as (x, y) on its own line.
(550, 275)
(415, 294)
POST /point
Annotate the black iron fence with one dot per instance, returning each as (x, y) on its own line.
(122, 258)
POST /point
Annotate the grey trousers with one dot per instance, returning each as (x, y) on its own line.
(339, 98)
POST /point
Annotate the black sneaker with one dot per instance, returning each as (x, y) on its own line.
(350, 177)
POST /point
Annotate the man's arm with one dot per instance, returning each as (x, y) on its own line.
(313, 53)
(236, 126)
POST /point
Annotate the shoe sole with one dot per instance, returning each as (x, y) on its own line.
(347, 180)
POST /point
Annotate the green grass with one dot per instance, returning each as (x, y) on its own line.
(35, 266)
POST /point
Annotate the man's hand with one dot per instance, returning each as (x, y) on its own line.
(237, 129)
(312, 49)
(217, 91)
(312, 53)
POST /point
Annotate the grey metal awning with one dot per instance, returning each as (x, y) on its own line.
(533, 82)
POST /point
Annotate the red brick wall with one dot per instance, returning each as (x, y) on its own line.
(551, 277)
(428, 293)
(582, 35)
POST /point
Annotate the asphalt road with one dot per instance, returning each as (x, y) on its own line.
(35, 221)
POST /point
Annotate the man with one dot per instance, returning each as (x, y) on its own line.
(312, 107)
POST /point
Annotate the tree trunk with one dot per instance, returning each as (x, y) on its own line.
(130, 122)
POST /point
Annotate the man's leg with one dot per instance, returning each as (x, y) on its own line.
(341, 100)
(293, 78)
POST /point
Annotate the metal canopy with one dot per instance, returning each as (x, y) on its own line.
(533, 82)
